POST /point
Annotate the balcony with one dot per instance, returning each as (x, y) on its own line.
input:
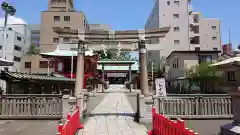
(190, 9)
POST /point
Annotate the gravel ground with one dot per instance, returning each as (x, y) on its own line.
(203, 127)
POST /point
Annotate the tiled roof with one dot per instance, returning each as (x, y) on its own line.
(24, 76)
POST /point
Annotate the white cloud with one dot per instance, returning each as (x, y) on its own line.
(12, 20)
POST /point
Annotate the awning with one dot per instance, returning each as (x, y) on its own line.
(227, 61)
(4, 62)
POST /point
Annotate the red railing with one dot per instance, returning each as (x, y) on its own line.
(161, 125)
(72, 124)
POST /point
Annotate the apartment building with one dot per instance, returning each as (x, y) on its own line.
(35, 34)
(59, 14)
(188, 30)
(17, 44)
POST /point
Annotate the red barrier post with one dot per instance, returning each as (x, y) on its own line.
(151, 132)
(60, 128)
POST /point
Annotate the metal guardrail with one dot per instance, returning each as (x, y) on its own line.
(195, 106)
(14, 106)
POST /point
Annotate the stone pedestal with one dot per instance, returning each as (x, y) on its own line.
(145, 108)
(70, 103)
(234, 127)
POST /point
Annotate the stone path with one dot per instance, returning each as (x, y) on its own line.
(112, 117)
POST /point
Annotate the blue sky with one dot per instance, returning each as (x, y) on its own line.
(132, 14)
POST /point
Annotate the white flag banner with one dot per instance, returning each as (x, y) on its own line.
(160, 87)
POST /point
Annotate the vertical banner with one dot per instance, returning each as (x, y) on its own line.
(160, 87)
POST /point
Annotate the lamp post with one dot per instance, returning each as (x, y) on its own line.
(9, 10)
(143, 68)
(80, 67)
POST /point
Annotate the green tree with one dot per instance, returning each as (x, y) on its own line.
(205, 76)
(33, 50)
(158, 71)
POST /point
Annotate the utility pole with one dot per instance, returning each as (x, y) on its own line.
(189, 46)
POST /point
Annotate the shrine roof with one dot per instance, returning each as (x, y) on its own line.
(135, 67)
(24, 76)
(66, 53)
(4, 62)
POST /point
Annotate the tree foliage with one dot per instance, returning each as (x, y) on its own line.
(158, 71)
(33, 50)
(203, 70)
(205, 77)
(103, 56)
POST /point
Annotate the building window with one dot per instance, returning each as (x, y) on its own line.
(28, 64)
(175, 63)
(149, 54)
(215, 49)
(176, 2)
(19, 38)
(55, 40)
(214, 38)
(54, 1)
(176, 29)
(9, 28)
(66, 18)
(176, 41)
(17, 48)
(176, 16)
(56, 18)
(44, 64)
(17, 59)
(67, 28)
(205, 59)
(231, 76)
(214, 27)
(197, 48)
(66, 39)
(168, 3)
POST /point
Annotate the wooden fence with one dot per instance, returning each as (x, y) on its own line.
(195, 106)
(17, 106)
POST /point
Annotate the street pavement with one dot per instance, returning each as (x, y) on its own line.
(113, 116)
(28, 127)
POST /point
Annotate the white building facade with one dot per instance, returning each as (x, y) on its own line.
(17, 43)
(189, 30)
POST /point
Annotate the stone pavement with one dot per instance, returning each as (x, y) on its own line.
(28, 127)
(112, 116)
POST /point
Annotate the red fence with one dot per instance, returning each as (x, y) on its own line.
(72, 124)
(161, 125)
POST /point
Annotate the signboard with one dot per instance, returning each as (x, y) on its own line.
(116, 74)
(160, 87)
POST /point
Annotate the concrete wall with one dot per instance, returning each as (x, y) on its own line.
(35, 66)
